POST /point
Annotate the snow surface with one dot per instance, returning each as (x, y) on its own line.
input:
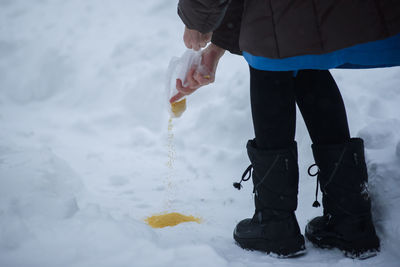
(83, 144)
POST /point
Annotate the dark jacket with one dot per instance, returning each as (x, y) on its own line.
(286, 28)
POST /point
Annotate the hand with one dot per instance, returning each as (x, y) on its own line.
(196, 40)
(199, 76)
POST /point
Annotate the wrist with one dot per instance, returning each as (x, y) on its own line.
(215, 49)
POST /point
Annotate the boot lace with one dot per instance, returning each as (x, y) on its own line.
(238, 185)
(316, 204)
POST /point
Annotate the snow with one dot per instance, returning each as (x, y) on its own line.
(84, 144)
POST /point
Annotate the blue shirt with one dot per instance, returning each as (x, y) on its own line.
(376, 54)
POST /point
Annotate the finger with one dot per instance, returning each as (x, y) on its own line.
(188, 43)
(207, 37)
(196, 46)
(182, 89)
(176, 97)
(190, 79)
(202, 79)
(187, 38)
(203, 44)
(179, 86)
(196, 40)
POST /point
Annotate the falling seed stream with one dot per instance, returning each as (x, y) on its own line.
(173, 218)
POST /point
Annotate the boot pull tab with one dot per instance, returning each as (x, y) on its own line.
(316, 204)
(355, 158)
(238, 185)
(287, 164)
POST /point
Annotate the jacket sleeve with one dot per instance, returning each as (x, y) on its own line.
(227, 34)
(202, 15)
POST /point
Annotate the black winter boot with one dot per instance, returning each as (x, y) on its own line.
(273, 228)
(346, 222)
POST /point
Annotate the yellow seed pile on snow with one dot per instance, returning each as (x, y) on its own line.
(169, 219)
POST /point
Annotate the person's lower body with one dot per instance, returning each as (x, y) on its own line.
(275, 173)
(273, 102)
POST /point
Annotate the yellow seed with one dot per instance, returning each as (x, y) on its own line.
(170, 219)
(178, 107)
(207, 76)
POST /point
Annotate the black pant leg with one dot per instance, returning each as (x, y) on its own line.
(322, 107)
(273, 108)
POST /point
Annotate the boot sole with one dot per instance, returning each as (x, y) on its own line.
(370, 246)
(278, 249)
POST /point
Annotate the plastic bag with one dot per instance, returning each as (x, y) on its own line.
(178, 69)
